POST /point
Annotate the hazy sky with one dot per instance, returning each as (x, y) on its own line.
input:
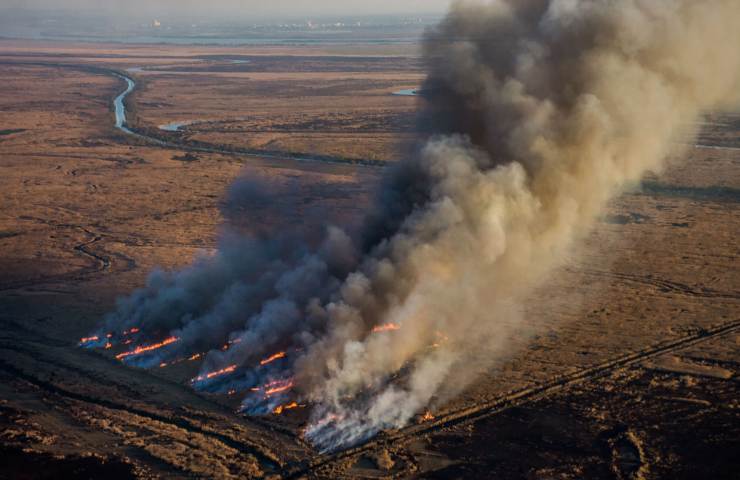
(236, 8)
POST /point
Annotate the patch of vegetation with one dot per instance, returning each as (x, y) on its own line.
(188, 157)
(11, 131)
(8, 234)
(711, 193)
(624, 219)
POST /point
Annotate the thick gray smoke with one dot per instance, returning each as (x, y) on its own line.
(542, 110)
(258, 280)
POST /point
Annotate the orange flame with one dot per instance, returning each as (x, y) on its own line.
(108, 346)
(441, 339)
(228, 344)
(148, 348)
(332, 417)
(271, 359)
(195, 357)
(278, 387)
(281, 408)
(386, 327)
(172, 363)
(217, 373)
(89, 339)
(426, 417)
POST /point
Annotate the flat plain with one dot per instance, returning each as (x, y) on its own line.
(630, 372)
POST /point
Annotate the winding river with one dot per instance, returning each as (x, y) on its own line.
(120, 107)
(119, 104)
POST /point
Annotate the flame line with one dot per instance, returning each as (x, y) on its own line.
(281, 408)
(280, 389)
(217, 373)
(386, 327)
(148, 348)
(271, 359)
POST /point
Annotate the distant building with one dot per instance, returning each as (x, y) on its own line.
(156, 24)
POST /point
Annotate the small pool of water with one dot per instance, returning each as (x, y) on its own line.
(174, 126)
(409, 92)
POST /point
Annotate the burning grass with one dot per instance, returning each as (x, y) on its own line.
(272, 358)
(288, 406)
(148, 348)
(277, 386)
(214, 374)
(386, 327)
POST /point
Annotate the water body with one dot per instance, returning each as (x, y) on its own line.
(409, 92)
(119, 106)
(175, 126)
(717, 147)
(153, 69)
(120, 111)
(708, 193)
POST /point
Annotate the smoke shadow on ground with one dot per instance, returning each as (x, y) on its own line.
(263, 207)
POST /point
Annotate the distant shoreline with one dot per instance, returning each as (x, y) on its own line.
(220, 41)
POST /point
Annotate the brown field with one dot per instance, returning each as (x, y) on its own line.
(634, 376)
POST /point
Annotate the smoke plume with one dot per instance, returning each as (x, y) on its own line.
(540, 112)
